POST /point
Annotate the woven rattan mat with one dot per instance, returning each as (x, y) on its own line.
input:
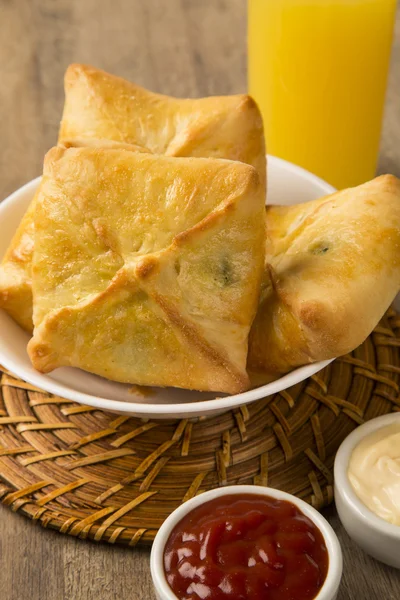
(105, 477)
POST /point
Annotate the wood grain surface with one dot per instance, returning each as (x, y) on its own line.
(180, 47)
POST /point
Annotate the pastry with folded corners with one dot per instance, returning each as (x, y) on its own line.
(16, 266)
(332, 270)
(101, 105)
(146, 268)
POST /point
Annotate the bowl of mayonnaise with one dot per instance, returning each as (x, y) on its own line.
(367, 487)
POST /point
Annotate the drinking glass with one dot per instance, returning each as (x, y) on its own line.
(318, 70)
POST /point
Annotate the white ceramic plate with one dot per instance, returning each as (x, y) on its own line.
(287, 184)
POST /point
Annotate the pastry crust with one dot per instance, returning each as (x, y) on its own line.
(146, 268)
(15, 273)
(101, 105)
(88, 142)
(332, 270)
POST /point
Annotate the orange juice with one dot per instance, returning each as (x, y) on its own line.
(318, 70)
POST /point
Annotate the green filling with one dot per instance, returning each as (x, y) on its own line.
(319, 248)
(223, 274)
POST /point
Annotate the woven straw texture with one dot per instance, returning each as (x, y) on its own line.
(109, 478)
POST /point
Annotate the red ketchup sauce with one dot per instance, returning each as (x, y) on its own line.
(246, 547)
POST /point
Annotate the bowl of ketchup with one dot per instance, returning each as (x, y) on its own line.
(246, 543)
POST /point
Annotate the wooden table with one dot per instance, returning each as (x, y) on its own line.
(180, 47)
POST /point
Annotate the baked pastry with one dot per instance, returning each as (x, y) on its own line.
(101, 105)
(147, 268)
(332, 270)
(16, 266)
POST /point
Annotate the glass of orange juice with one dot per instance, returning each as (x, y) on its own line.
(318, 70)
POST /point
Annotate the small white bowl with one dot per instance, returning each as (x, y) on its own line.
(287, 184)
(376, 536)
(328, 591)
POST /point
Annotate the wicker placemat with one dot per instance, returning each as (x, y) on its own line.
(105, 477)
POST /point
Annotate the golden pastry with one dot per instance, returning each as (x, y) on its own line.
(147, 268)
(332, 270)
(16, 266)
(101, 105)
